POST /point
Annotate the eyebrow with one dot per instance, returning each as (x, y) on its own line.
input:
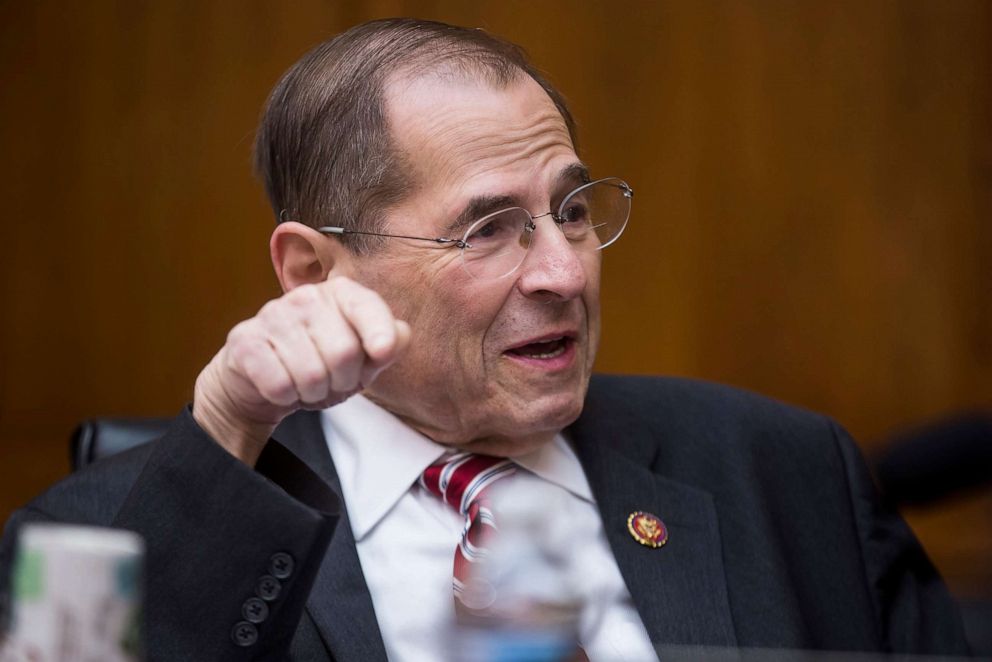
(477, 207)
(572, 175)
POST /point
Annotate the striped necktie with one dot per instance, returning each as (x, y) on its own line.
(462, 481)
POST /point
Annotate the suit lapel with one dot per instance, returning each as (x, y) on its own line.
(680, 589)
(339, 604)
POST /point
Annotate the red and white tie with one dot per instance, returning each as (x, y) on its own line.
(463, 481)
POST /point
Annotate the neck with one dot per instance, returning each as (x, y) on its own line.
(460, 437)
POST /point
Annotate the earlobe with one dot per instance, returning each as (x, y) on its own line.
(301, 255)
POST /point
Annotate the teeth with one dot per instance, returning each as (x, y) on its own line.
(549, 355)
(555, 347)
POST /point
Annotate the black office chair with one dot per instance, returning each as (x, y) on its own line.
(941, 459)
(98, 438)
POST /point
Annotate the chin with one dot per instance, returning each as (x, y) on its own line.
(499, 446)
(535, 423)
(547, 415)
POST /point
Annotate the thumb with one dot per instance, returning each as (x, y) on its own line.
(403, 334)
(372, 370)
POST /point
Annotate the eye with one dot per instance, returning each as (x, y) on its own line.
(500, 227)
(574, 211)
(487, 230)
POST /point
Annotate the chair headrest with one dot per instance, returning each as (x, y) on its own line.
(98, 438)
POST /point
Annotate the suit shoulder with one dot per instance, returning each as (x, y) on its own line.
(725, 440)
(678, 398)
(703, 418)
(93, 494)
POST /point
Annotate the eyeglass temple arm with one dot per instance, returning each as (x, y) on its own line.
(330, 229)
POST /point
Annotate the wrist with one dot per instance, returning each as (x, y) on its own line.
(242, 439)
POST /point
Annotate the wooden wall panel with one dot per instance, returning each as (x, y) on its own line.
(811, 216)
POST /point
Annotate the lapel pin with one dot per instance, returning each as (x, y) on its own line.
(647, 529)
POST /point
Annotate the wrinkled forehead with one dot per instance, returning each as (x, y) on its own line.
(457, 132)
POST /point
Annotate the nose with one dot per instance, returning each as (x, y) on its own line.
(553, 270)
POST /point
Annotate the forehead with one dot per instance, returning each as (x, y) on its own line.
(463, 137)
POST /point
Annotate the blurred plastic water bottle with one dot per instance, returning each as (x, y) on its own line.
(523, 602)
(77, 595)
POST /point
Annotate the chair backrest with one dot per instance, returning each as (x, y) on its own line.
(98, 438)
(947, 456)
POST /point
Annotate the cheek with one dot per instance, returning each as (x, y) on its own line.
(413, 288)
(452, 321)
(446, 356)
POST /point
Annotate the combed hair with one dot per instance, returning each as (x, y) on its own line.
(323, 148)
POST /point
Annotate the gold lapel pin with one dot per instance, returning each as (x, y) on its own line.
(647, 529)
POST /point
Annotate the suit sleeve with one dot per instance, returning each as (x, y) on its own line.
(231, 553)
(914, 611)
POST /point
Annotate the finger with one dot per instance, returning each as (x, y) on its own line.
(295, 349)
(403, 334)
(338, 346)
(368, 315)
(254, 358)
(371, 369)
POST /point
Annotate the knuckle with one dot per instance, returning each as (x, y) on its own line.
(271, 312)
(303, 297)
(334, 287)
(239, 334)
(268, 307)
(340, 282)
(279, 390)
(244, 348)
(348, 290)
(241, 352)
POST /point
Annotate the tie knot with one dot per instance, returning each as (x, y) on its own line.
(462, 479)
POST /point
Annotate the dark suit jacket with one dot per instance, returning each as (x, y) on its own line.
(776, 536)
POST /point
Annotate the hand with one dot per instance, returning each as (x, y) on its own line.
(311, 348)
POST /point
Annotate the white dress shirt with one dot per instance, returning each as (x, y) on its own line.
(406, 537)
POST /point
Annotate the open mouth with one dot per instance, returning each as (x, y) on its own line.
(544, 349)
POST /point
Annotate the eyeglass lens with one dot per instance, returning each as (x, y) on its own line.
(591, 217)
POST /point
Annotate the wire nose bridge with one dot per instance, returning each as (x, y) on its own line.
(528, 237)
(531, 225)
(552, 272)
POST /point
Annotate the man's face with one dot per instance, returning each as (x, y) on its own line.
(495, 366)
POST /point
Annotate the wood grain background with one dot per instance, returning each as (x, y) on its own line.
(812, 217)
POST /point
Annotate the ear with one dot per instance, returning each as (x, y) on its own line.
(301, 255)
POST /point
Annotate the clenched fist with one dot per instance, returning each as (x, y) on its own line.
(311, 348)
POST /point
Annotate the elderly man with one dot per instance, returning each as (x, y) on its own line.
(439, 252)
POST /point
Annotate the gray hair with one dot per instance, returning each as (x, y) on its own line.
(323, 147)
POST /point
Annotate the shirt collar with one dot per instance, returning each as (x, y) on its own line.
(378, 458)
(557, 463)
